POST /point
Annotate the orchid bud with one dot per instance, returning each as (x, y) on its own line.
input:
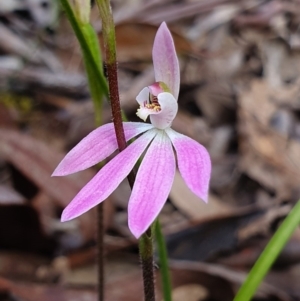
(82, 10)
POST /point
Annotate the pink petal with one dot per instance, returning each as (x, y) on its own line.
(96, 146)
(152, 185)
(193, 163)
(108, 178)
(165, 61)
(169, 107)
(143, 96)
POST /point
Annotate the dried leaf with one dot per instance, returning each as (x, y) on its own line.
(267, 156)
(9, 196)
(135, 42)
(189, 204)
(37, 161)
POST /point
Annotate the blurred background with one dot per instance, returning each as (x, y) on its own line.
(239, 97)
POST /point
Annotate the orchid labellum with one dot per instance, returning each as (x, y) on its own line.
(160, 145)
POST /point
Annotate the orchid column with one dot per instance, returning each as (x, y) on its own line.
(159, 145)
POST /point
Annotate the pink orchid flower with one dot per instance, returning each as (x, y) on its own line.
(158, 141)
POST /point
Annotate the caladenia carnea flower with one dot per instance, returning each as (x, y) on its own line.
(160, 145)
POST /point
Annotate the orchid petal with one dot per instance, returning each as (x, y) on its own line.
(143, 96)
(152, 185)
(169, 107)
(193, 163)
(143, 113)
(108, 178)
(96, 146)
(165, 61)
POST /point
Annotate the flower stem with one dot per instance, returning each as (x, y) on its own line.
(163, 262)
(109, 38)
(108, 31)
(146, 255)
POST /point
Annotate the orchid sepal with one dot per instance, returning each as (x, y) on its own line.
(165, 61)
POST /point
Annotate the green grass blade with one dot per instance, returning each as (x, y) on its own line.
(269, 255)
(163, 262)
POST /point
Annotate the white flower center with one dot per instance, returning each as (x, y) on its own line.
(148, 104)
(161, 106)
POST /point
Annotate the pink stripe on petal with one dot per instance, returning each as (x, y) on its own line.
(165, 61)
(96, 146)
(193, 163)
(108, 178)
(152, 185)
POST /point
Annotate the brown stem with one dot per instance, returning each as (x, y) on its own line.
(109, 39)
(112, 76)
(146, 244)
(108, 30)
(146, 256)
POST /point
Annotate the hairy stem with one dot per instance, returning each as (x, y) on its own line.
(146, 256)
(112, 76)
(109, 38)
(108, 31)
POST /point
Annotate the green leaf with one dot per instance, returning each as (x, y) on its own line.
(88, 41)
